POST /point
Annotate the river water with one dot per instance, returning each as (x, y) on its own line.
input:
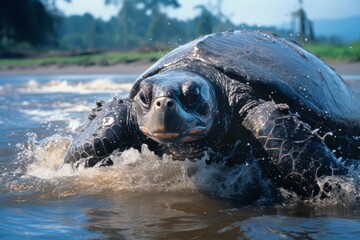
(142, 196)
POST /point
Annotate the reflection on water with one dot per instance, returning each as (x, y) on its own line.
(142, 196)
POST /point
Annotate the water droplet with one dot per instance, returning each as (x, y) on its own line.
(107, 121)
(350, 47)
(306, 39)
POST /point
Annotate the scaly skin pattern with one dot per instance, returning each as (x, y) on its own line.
(273, 97)
(111, 126)
(297, 153)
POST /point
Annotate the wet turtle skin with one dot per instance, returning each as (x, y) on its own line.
(236, 95)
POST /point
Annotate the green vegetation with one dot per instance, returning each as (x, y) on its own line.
(35, 33)
(346, 52)
(141, 24)
(94, 59)
(26, 21)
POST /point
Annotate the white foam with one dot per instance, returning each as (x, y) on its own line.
(48, 156)
(55, 113)
(135, 171)
(143, 172)
(132, 171)
(64, 86)
(59, 111)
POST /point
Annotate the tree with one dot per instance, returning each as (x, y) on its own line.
(145, 15)
(150, 6)
(133, 23)
(26, 21)
(204, 22)
(306, 31)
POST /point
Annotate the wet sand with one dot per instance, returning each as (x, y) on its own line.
(121, 68)
(343, 68)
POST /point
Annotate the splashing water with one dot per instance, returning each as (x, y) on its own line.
(64, 86)
(142, 196)
(140, 172)
(133, 171)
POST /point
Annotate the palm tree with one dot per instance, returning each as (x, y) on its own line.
(306, 31)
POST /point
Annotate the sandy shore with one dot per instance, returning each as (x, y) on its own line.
(344, 68)
(134, 67)
(138, 67)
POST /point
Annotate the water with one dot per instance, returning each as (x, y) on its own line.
(142, 196)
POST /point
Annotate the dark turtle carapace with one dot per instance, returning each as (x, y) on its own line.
(234, 94)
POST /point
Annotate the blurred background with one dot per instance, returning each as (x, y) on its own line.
(59, 57)
(110, 31)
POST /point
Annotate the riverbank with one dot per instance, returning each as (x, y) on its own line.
(119, 68)
(136, 67)
(346, 68)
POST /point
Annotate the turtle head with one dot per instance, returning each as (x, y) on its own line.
(175, 106)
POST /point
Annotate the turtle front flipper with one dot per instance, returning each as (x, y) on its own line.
(111, 126)
(297, 155)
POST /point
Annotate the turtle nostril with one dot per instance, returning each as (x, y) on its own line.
(169, 103)
(166, 103)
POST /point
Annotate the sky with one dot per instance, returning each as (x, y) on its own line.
(254, 12)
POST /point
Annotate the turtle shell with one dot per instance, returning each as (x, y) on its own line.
(277, 69)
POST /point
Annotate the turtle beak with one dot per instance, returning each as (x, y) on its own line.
(168, 122)
(162, 119)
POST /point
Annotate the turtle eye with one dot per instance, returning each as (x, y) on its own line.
(145, 98)
(191, 95)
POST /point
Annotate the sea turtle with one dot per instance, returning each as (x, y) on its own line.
(235, 95)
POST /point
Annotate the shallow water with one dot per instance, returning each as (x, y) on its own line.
(142, 196)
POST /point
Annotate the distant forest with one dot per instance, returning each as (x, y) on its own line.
(86, 32)
(140, 24)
